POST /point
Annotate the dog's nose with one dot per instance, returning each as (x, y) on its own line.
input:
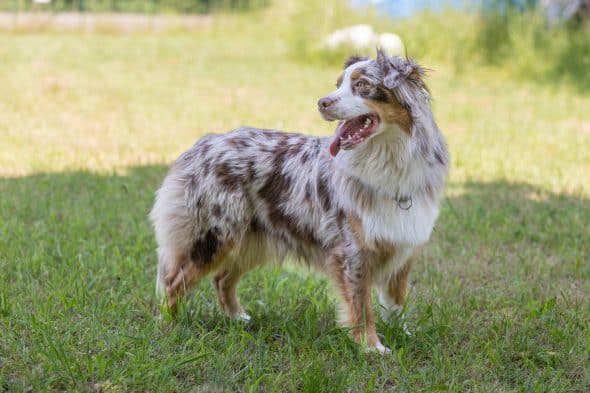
(325, 102)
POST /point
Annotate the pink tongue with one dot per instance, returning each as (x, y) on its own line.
(335, 146)
(342, 129)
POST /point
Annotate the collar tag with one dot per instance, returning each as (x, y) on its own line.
(404, 203)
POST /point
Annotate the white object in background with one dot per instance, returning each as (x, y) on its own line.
(392, 44)
(364, 37)
(357, 36)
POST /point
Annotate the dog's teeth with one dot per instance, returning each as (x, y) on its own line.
(367, 122)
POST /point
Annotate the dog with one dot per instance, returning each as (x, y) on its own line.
(357, 205)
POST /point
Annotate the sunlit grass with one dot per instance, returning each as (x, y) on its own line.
(88, 124)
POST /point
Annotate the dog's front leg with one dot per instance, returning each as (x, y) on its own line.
(392, 294)
(354, 282)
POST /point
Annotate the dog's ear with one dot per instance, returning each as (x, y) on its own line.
(395, 69)
(354, 59)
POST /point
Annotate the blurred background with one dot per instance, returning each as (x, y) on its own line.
(139, 80)
(97, 97)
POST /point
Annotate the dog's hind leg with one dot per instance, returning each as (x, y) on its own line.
(225, 283)
(253, 251)
(190, 270)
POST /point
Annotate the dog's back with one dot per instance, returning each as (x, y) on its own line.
(249, 180)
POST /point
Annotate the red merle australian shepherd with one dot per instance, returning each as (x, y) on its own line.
(356, 205)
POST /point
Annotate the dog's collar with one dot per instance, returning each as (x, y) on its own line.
(404, 202)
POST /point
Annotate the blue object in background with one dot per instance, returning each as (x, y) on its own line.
(406, 8)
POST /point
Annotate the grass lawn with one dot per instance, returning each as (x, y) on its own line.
(89, 122)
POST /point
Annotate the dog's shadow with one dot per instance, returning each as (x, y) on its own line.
(99, 221)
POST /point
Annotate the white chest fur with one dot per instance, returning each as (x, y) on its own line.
(387, 221)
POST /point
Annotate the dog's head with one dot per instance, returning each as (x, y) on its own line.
(372, 97)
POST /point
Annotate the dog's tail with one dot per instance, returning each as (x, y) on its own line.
(173, 226)
(163, 265)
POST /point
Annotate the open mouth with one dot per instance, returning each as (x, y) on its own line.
(353, 131)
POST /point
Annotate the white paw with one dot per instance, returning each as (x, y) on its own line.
(242, 317)
(380, 348)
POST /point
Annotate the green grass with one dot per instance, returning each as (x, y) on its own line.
(499, 298)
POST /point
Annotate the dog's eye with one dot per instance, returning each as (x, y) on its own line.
(360, 83)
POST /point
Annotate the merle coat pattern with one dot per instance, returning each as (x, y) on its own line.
(354, 206)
